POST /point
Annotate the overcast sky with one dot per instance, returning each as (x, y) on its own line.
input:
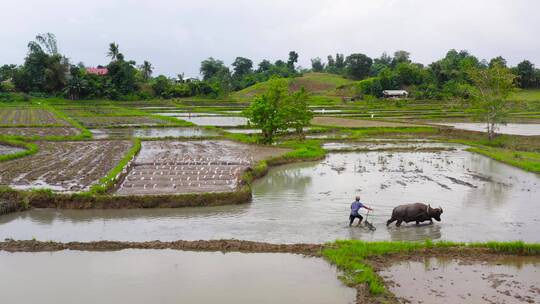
(176, 35)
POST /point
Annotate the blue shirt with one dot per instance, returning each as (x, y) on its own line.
(355, 207)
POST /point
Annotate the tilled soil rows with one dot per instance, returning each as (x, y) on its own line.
(29, 132)
(29, 117)
(64, 166)
(188, 167)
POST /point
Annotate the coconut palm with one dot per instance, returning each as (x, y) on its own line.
(113, 51)
(146, 69)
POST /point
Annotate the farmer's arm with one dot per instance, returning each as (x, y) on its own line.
(367, 208)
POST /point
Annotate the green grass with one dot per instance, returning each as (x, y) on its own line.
(349, 256)
(302, 150)
(315, 83)
(30, 148)
(107, 182)
(529, 161)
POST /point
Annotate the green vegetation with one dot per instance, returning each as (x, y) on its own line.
(350, 256)
(529, 161)
(277, 110)
(107, 182)
(29, 148)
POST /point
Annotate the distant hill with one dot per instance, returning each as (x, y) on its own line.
(318, 84)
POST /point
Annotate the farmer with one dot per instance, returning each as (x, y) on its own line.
(355, 207)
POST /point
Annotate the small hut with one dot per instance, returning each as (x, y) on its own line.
(396, 94)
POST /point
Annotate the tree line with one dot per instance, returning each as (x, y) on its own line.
(47, 72)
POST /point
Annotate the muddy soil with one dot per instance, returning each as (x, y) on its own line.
(169, 276)
(195, 166)
(42, 132)
(355, 123)
(394, 145)
(219, 121)
(482, 200)
(28, 116)
(64, 166)
(508, 279)
(511, 128)
(4, 149)
(115, 133)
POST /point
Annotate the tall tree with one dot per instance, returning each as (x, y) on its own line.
(146, 69)
(358, 65)
(113, 51)
(242, 66)
(212, 67)
(492, 87)
(526, 74)
(293, 58)
(317, 65)
(401, 57)
(497, 60)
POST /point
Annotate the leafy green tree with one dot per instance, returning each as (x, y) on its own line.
(76, 84)
(296, 111)
(497, 60)
(146, 69)
(491, 89)
(161, 85)
(242, 66)
(264, 66)
(122, 75)
(266, 111)
(7, 71)
(293, 58)
(358, 65)
(211, 68)
(317, 65)
(526, 74)
(401, 57)
(44, 69)
(113, 51)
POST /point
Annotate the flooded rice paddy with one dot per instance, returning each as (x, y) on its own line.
(193, 166)
(435, 280)
(5, 149)
(150, 132)
(482, 200)
(167, 276)
(219, 121)
(511, 128)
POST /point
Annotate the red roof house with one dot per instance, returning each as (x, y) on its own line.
(97, 71)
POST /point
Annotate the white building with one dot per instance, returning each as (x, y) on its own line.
(395, 94)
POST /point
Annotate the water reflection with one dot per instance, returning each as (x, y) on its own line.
(309, 202)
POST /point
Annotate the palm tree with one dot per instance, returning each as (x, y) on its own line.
(146, 69)
(113, 51)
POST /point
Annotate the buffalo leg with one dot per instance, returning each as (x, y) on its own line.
(390, 221)
(399, 223)
(431, 222)
(417, 223)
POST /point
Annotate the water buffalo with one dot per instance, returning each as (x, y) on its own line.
(417, 212)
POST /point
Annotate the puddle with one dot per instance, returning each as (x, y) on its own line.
(186, 114)
(452, 281)
(5, 149)
(381, 145)
(325, 111)
(151, 132)
(168, 276)
(309, 203)
(244, 131)
(511, 128)
(220, 121)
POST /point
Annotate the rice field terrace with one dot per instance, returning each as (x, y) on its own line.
(187, 167)
(63, 166)
(111, 171)
(28, 117)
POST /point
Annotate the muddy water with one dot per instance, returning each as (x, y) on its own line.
(511, 128)
(220, 121)
(4, 149)
(166, 276)
(150, 132)
(309, 202)
(453, 281)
